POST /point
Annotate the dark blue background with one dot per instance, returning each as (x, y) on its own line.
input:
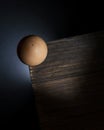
(49, 19)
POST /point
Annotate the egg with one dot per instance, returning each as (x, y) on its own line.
(32, 50)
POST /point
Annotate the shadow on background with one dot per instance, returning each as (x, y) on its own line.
(17, 106)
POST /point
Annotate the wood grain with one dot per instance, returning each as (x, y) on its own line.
(69, 85)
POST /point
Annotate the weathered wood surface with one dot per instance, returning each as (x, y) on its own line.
(69, 85)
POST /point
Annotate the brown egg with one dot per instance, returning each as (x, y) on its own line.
(32, 50)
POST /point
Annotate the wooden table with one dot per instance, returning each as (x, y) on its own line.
(69, 85)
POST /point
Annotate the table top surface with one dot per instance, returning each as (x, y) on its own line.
(69, 85)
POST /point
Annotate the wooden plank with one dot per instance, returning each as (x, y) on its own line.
(69, 85)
